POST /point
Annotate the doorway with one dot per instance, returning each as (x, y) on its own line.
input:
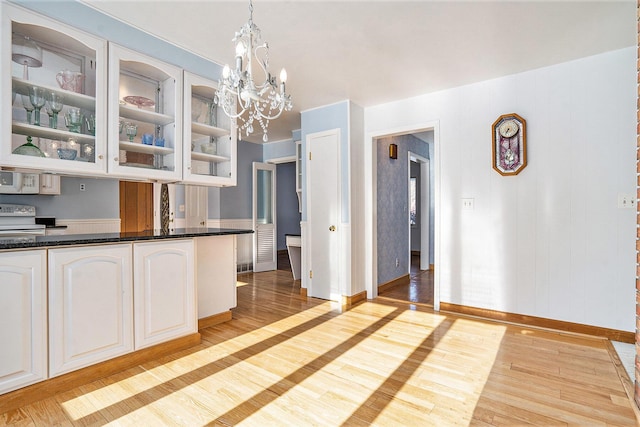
(136, 206)
(370, 160)
(264, 217)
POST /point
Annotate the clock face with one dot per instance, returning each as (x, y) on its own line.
(508, 128)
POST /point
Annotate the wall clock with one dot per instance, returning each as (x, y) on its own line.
(509, 149)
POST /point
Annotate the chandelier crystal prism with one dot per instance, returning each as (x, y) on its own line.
(244, 99)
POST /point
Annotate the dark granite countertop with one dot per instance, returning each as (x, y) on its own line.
(92, 239)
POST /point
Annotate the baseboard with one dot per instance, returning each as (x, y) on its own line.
(47, 388)
(541, 322)
(354, 299)
(216, 319)
(432, 267)
(402, 280)
(90, 226)
(627, 383)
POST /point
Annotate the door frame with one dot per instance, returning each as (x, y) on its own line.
(423, 163)
(273, 265)
(371, 204)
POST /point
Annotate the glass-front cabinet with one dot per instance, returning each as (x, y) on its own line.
(53, 95)
(145, 116)
(209, 136)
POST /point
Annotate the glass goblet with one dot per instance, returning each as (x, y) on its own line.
(131, 130)
(37, 98)
(55, 105)
(26, 103)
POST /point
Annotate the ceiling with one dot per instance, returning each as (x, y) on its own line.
(373, 52)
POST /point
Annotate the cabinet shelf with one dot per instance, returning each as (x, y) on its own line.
(143, 148)
(202, 129)
(70, 98)
(49, 133)
(145, 115)
(208, 157)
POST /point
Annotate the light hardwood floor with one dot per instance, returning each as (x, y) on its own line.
(284, 360)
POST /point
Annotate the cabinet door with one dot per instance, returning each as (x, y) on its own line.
(164, 291)
(216, 274)
(23, 319)
(145, 116)
(90, 306)
(210, 144)
(49, 184)
(52, 95)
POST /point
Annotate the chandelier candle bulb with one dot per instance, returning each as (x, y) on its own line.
(239, 95)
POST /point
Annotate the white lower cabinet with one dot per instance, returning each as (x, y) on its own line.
(216, 274)
(90, 305)
(164, 291)
(23, 316)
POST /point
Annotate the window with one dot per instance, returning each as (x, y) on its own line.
(413, 205)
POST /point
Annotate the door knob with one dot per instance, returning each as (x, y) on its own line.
(332, 228)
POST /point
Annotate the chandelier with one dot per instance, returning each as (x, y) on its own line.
(239, 96)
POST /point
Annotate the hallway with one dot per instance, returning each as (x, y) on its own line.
(418, 290)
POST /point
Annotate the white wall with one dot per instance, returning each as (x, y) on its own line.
(550, 242)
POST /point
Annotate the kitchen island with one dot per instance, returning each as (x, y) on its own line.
(75, 307)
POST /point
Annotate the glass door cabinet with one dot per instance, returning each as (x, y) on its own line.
(52, 95)
(145, 112)
(209, 136)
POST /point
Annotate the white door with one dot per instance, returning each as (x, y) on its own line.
(23, 316)
(90, 306)
(196, 199)
(264, 217)
(323, 214)
(164, 291)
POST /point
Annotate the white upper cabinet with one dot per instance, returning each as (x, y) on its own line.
(52, 95)
(145, 116)
(210, 143)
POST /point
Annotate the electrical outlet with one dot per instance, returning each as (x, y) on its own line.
(467, 204)
(82, 187)
(626, 201)
(397, 262)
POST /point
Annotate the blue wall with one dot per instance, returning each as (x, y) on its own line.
(235, 202)
(276, 150)
(323, 119)
(393, 205)
(286, 202)
(100, 200)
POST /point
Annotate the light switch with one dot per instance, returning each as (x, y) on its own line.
(626, 201)
(181, 208)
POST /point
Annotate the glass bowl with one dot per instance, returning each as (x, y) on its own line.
(67, 153)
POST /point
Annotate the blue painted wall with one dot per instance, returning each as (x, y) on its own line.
(335, 116)
(276, 150)
(235, 202)
(100, 200)
(393, 205)
(288, 217)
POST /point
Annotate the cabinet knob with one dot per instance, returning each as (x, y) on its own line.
(100, 156)
(115, 159)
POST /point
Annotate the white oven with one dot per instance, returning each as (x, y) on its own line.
(18, 224)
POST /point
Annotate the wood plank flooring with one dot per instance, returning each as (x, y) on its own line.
(289, 361)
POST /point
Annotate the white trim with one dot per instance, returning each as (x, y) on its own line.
(90, 226)
(278, 160)
(325, 106)
(370, 216)
(420, 160)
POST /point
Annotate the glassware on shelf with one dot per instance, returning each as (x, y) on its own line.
(25, 52)
(213, 114)
(36, 96)
(28, 149)
(131, 130)
(70, 80)
(73, 120)
(26, 103)
(54, 106)
(139, 101)
(121, 125)
(91, 124)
